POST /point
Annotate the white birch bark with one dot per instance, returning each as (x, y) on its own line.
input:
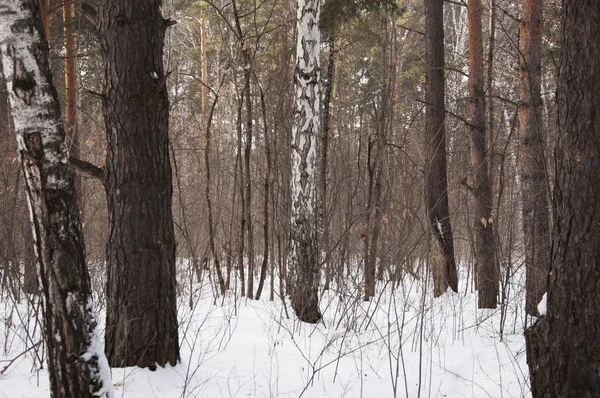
(76, 362)
(305, 126)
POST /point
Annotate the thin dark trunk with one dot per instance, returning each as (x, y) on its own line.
(536, 215)
(487, 273)
(436, 185)
(246, 94)
(328, 80)
(45, 16)
(211, 232)
(240, 169)
(369, 267)
(71, 92)
(141, 324)
(265, 261)
(203, 64)
(563, 349)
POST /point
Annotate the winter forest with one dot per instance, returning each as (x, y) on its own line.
(300, 198)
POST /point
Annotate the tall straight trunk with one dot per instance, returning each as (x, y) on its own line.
(491, 158)
(563, 349)
(536, 216)
(71, 91)
(267, 183)
(303, 256)
(76, 364)
(248, 184)
(141, 315)
(436, 185)
(384, 123)
(246, 94)
(240, 169)
(488, 275)
(211, 232)
(326, 128)
(203, 65)
(68, 9)
(45, 17)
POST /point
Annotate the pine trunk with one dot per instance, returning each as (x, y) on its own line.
(436, 185)
(563, 349)
(141, 324)
(488, 275)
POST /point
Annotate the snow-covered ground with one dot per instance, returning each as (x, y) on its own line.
(404, 343)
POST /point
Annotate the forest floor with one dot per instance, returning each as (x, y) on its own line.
(403, 343)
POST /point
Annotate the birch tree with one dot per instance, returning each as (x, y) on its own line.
(305, 125)
(76, 362)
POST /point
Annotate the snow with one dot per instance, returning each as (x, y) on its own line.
(403, 341)
(541, 307)
(440, 229)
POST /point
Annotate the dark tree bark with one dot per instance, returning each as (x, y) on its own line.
(384, 124)
(563, 349)
(247, 213)
(267, 184)
(211, 232)
(141, 325)
(536, 215)
(305, 126)
(436, 185)
(74, 358)
(71, 91)
(45, 16)
(488, 275)
(327, 80)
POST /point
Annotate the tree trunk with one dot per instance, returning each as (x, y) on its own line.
(436, 185)
(247, 213)
(203, 65)
(141, 325)
(238, 162)
(326, 128)
(563, 349)
(488, 275)
(211, 232)
(71, 97)
(76, 364)
(305, 126)
(266, 242)
(45, 16)
(68, 8)
(536, 216)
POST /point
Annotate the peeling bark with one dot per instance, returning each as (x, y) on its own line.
(305, 126)
(76, 364)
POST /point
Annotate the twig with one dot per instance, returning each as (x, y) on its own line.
(11, 361)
